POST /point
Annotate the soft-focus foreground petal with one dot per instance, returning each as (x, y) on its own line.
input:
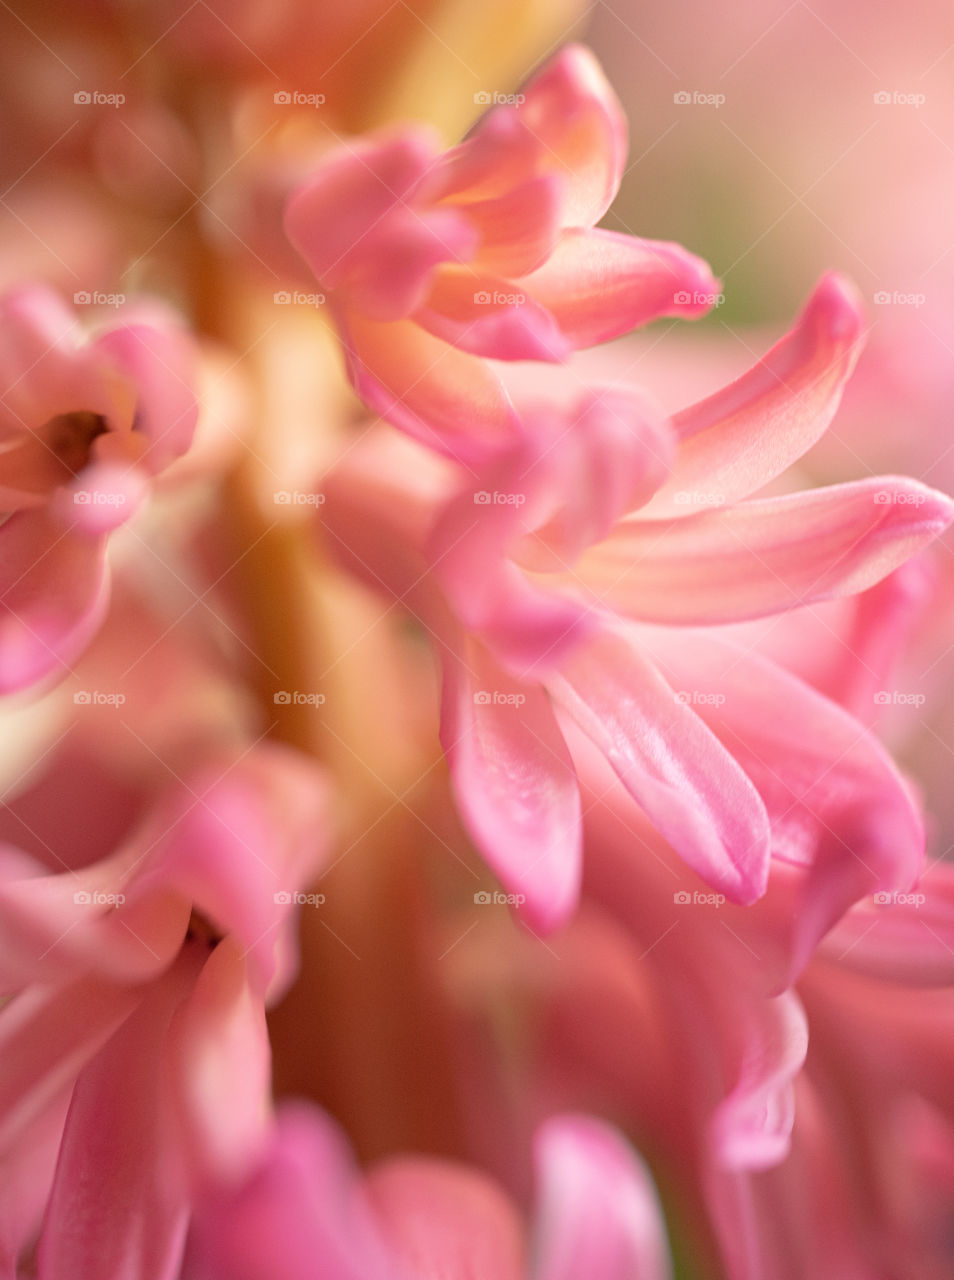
(118, 1206)
(597, 1213)
(445, 1222)
(302, 1214)
(749, 432)
(687, 782)
(764, 556)
(220, 1069)
(514, 783)
(53, 594)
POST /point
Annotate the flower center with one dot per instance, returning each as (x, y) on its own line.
(69, 437)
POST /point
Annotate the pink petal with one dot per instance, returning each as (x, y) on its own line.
(599, 284)
(239, 843)
(745, 435)
(514, 783)
(354, 224)
(301, 1214)
(489, 316)
(444, 1222)
(220, 1064)
(572, 109)
(752, 1127)
(569, 124)
(518, 229)
(903, 937)
(117, 1207)
(56, 927)
(102, 497)
(53, 593)
(764, 556)
(438, 395)
(160, 363)
(597, 1214)
(837, 804)
(691, 788)
(44, 372)
(47, 1035)
(598, 458)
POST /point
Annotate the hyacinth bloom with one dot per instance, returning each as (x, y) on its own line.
(306, 1206)
(136, 1047)
(736, 1093)
(540, 588)
(436, 263)
(85, 425)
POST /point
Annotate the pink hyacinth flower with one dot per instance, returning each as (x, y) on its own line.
(436, 263)
(138, 1059)
(573, 570)
(84, 425)
(596, 1213)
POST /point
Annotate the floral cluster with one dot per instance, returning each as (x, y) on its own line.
(445, 826)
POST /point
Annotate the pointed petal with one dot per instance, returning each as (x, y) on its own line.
(691, 788)
(599, 284)
(745, 435)
(764, 556)
(597, 1214)
(568, 123)
(838, 807)
(514, 783)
